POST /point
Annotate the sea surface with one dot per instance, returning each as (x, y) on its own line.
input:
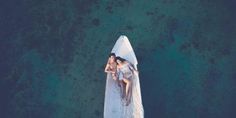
(53, 53)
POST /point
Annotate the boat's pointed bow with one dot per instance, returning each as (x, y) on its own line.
(124, 49)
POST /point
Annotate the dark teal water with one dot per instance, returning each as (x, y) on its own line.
(53, 52)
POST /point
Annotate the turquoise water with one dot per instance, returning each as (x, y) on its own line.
(53, 55)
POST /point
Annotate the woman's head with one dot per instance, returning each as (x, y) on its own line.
(112, 57)
(119, 60)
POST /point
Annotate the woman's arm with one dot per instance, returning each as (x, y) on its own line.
(106, 69)
(107, 65)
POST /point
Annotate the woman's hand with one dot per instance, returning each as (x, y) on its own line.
(108, 71)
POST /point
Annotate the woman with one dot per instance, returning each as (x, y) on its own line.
(111, 66)
(125, 74)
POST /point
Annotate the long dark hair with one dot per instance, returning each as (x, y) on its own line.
(121, 59)
(112, 54)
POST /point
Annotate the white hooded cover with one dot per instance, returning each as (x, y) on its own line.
(113, 107)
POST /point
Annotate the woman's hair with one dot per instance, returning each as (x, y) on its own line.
(112, 54)
(121, 59)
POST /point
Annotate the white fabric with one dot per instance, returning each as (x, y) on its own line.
(113, 107)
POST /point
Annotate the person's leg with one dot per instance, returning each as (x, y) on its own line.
(127, 87)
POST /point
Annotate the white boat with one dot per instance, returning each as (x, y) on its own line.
(113, 106)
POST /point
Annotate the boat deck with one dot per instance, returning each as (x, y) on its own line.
(113, 106)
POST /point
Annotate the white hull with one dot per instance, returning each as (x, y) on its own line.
(113, 107)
